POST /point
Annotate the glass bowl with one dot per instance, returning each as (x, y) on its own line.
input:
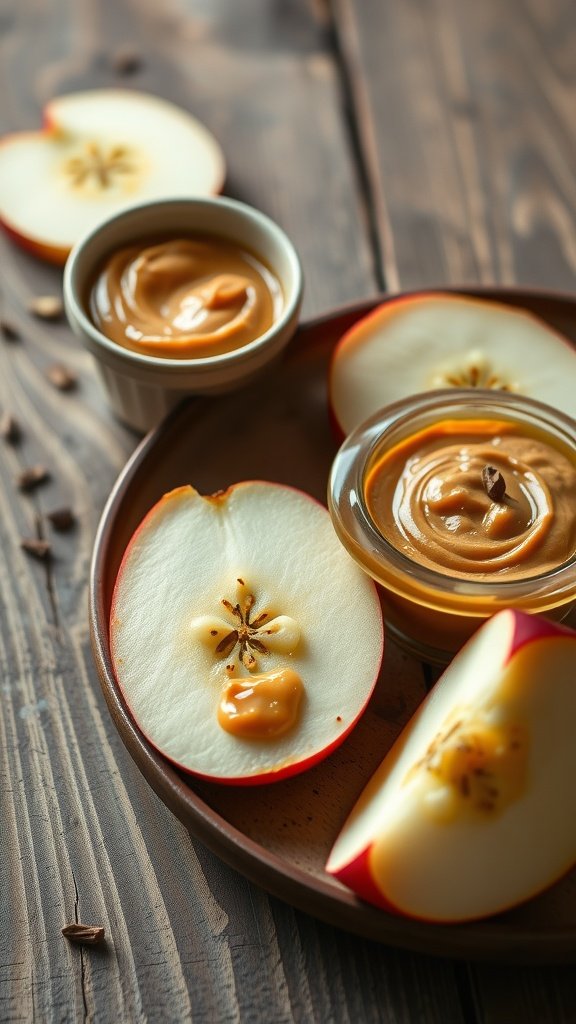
(431, 610)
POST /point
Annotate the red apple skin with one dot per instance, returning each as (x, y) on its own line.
(289, 769)
(57, 255)
(386, 308)
(528, 628)
(357, 874)
(47, 253)
(274, 775)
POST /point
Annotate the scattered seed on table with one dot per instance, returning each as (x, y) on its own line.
(9, 428)
(32, 476)
(8, 331)
(39, 549)
(61, 377)
(84, 934)
(47, 307)
(126, 60)
(62, 519)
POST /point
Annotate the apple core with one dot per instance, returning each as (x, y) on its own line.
(184, 298)
(474, 766)
(235, 627)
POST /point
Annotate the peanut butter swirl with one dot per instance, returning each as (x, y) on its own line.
(428, 498)
(184, 298)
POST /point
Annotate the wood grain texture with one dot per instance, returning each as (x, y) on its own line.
(463, 117)
(83, 837)
(464, 112)
(450, 156)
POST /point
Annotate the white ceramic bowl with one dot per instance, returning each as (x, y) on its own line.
(141, 388)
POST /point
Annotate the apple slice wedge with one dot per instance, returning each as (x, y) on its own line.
(472, 811)
(436, 340)
(100, 151)
(244, 638)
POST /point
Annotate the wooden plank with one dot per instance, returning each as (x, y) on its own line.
(465, 126)
(83, 837)
(465, 120)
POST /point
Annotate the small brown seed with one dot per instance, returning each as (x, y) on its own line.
(9, 428)
(62, 519)
(126, 60)
(61, 377)
(84, 934)
(47, 307)
(8, 331)
(32, 476)
(494, 483)
(39, 549)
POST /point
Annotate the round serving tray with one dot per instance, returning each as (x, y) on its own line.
(279, 835)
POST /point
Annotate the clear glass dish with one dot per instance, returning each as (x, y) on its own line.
(432, 613)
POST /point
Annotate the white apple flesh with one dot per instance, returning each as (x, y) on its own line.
(472, 811)
(241, 593)
(416, 343)
(100, 151)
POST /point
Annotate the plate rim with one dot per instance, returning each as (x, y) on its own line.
(322, 898)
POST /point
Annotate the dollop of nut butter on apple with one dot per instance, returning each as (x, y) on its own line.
(261, 706)
(474, 767)
(258, 706)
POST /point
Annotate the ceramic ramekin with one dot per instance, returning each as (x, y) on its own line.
(141, 388)
(432, 613)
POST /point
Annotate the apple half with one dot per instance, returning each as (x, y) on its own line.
(98, 152)
(415, 343)
(472, 810)
(244, 638)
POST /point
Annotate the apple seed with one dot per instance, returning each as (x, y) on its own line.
(9, 428)
(62, 519)
(475, 374)
(47, 307)
(39, 549)
(126, 60)
(243, 635)
(100, 165)
(61, 377)
(83, 934)
(485, 765)
(8, 331)
(30, 477)
(494, 483)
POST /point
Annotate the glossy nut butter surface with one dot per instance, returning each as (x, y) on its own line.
(409, 499)
(427, 496)
(184, 298)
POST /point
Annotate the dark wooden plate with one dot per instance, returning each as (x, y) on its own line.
(279, 835)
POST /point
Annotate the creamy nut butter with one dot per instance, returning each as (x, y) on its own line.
(429, 498)
(261, 706)
(460, 505)
(184, 298)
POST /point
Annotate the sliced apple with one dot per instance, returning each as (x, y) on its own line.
(98, 152)
(434, 340)
(244, 638)
(472, 811)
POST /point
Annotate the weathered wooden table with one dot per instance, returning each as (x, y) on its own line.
(399, 144)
